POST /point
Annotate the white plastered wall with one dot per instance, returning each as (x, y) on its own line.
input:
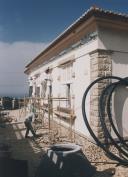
(117, 41)
(82, 80)
(81, 69)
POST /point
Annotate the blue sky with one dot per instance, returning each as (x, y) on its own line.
(26, 28)
(42, 20)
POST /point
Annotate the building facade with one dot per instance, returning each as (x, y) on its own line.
(95, 45)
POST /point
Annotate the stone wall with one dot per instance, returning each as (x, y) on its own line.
(101, 65)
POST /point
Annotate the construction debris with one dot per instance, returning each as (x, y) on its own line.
(51, 132)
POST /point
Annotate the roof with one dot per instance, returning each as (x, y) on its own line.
(93, 11)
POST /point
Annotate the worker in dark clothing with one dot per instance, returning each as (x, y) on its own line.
(28, 124)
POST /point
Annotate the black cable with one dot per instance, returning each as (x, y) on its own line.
(99, 143)
(121, 139)
(103, 123)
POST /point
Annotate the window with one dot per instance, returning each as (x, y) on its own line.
(43, 88)
(66, 72)
(68, 94)
(37, 93)
(30, 91)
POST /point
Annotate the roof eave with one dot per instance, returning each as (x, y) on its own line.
(101, 18)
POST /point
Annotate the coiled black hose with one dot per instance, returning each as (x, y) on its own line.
(105, 99)
(104, 126)
(110, 118)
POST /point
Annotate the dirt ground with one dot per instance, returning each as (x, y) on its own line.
(12, 134)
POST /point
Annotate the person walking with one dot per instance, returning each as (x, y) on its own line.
(28, 124)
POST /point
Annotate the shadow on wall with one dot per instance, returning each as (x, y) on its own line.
(112, 39)
(120, 96)
(120, 100)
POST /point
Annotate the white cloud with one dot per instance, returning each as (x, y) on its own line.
(13, 59)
